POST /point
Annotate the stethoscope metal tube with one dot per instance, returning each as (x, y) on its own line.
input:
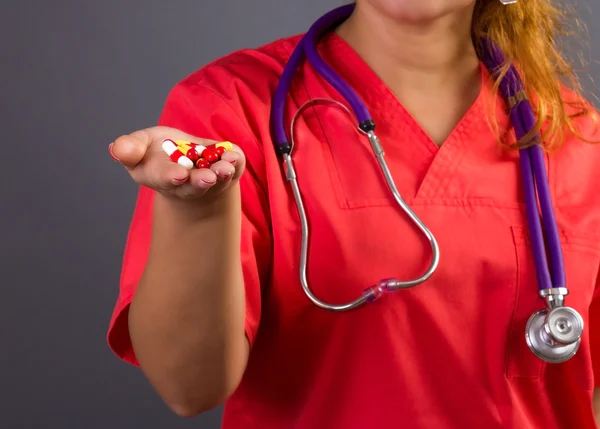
(553, 333)
(435, 250)
(387, 285)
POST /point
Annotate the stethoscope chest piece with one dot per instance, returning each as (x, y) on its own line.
(554, 335)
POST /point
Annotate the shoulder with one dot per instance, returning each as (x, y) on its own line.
(585, 115)
(242, 74)
(577, 162)
(584, 132)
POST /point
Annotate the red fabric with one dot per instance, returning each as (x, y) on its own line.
(448, 354)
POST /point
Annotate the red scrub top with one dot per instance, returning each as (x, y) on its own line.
(447, 354)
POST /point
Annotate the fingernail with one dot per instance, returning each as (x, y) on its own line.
(207, 182)
(179, 180)
(224, 176)
(110, 151)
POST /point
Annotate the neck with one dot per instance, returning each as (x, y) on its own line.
(415, 55)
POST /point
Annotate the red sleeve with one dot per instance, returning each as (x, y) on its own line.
(200, 111)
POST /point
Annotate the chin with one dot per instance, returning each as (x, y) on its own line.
(417, 10)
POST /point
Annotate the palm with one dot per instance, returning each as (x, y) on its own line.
(172, 172)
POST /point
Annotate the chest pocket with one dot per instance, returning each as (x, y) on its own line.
(581, 254)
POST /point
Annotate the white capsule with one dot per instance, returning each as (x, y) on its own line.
(169, 147)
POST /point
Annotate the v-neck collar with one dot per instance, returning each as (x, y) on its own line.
(393, 119)
(385, 105)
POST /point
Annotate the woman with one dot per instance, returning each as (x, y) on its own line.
(211, 307)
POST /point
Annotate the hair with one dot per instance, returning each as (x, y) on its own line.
(527, 32)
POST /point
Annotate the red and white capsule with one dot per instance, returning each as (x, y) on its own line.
(175, 154)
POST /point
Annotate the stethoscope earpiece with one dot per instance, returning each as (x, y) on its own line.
(554, 335)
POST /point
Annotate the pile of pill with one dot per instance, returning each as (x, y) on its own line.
(190, 154)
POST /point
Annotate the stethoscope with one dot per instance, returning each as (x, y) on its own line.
(552, 333)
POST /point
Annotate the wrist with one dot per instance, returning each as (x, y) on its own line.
(222, 205)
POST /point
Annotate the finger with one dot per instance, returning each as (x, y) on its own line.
(199, 182)
(223, 170)
(159, 173)
(203, 178)
(237, 159)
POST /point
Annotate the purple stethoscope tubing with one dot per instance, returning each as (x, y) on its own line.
(534, 177)
(306, 48)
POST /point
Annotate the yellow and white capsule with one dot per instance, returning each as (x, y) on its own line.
(170, 147)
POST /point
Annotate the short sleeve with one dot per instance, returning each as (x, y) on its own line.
(200, 111)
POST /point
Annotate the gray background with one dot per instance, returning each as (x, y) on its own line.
(75, 74)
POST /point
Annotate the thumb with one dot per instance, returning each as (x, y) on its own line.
(130, 149)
